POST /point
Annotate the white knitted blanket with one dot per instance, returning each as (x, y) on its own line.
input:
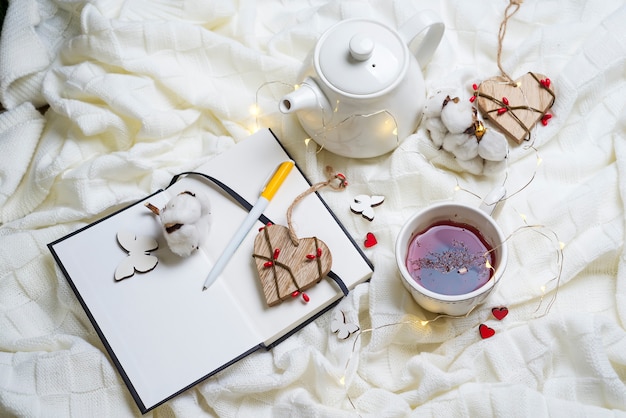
(141, 90)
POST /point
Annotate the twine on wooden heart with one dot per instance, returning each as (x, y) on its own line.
(288, 265)
(514, 106)
(532, 90)
(510, 10)
(336, 181)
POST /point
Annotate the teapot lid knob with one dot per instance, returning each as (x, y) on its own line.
(361, 47)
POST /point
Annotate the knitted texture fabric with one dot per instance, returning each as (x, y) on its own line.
(141, 90)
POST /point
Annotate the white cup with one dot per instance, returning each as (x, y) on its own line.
(482, 221)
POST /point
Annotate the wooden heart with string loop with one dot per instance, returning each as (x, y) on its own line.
(514, 106)
(288, 265)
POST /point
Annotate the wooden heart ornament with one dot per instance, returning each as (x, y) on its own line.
(286, 267)
(515, 107)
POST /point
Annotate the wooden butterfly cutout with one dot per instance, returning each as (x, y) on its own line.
(139, 259)
(339, 326)
(365, 204)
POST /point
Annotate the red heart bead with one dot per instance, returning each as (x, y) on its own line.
(545, 119)
(370, 240)
(485, 331)
(500, 313)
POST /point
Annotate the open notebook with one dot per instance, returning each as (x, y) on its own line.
(161, 330)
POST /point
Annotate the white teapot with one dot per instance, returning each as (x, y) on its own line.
(363, 91)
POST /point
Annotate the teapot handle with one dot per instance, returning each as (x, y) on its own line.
(428, 21)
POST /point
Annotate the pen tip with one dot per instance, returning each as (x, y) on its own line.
(204, 288)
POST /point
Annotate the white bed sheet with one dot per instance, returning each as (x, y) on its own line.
(141, 90)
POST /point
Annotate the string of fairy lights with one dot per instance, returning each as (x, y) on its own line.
(549, 286)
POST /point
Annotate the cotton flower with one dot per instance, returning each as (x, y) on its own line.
(493, 146)
(463, 146)
(452, 141)
(436, 129)
(457, 115)
(454, 126)
(186, 221)
(434, 103)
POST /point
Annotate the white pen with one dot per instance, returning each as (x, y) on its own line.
(267, 194)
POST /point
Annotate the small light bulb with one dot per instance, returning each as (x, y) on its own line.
(254, 110)
(342, 380)
(306, 141)
(523, 217)
(561, 245)
(424, 323)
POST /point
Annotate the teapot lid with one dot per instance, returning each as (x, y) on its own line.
(361, 57)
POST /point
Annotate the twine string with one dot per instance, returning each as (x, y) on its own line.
(510, 10)
(336, 181)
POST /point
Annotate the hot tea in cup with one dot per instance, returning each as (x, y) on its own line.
(450, 257)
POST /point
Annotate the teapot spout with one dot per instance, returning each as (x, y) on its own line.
(307, 97)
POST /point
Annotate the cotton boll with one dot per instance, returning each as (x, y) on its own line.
(184, 208)
(434, 104)
(452, 141)
(457, 115)
(185, 240)
(186, 221)
(473, 166)
(436, 129)
(467, 149)
(203, 224)
(493, 146)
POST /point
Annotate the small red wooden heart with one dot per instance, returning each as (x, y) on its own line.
(485, 331)
(370, 240)
(285, 267)
(500, 313)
